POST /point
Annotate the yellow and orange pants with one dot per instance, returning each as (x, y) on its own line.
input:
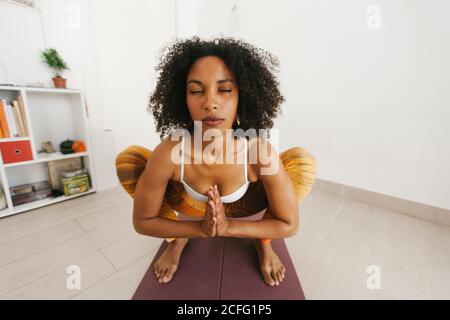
(299, 164)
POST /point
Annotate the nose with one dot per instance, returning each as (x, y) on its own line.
(210, 103)
(210, 107)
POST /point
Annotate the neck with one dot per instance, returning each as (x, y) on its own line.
(218, 146)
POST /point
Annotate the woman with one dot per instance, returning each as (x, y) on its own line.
(216, 86)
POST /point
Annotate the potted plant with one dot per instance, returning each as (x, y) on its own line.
(54, 61)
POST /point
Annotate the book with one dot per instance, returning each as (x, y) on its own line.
(23, 115)
(17, 118)
(2, 135)
(11, 121)
(17, 112)
(3, 120)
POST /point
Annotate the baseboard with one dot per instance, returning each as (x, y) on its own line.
(412, 208)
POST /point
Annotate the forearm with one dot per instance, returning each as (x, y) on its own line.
(166, 228)
(270, 228)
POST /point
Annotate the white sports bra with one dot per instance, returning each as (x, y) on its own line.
(239, 193)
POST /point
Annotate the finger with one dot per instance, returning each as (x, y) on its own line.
(211, 194)
(213, 227)
(217, 196)
(216, 202)
(208, 209)
(213, 211)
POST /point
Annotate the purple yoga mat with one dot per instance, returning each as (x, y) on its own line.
(242, 278)
(197, 277)
(220, 269)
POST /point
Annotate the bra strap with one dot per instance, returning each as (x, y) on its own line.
(182, 159)
(245, 159)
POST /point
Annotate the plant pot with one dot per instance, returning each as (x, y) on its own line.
(59, 82)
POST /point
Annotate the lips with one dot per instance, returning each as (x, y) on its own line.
(212, 121)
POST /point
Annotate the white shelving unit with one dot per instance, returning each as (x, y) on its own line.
(51, 115)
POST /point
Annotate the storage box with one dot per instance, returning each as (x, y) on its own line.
(28, 188)
(16, 151)
(30, 192)
(55, 168)
(75, 185)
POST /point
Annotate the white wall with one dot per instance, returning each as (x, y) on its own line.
(21, 39)
(187, 16)
(125, 37)
(111, 48)
(371, 105)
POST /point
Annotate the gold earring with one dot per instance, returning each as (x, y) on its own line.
(238, 121)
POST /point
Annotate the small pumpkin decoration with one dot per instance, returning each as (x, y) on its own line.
(78, 146)
(66, 146)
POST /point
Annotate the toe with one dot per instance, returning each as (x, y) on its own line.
(279, 276)
(169, 274)
(274, 277)
(283, 272)
(167, 277)
(161, 275)
(267, 277)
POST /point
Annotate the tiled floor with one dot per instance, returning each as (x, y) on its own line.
(338, 240)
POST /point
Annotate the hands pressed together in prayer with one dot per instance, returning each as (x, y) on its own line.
(215, 223)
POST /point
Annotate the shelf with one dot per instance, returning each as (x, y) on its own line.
(51, 115)
(39, 89)
(5, 212)
(40, 203)
(15, 139)
(57, 156)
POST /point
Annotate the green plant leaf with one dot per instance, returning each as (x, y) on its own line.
(54, 61)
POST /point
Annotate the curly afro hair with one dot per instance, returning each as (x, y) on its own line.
(259, 96)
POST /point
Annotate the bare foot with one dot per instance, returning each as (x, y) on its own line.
(167, 263)
(271, 267)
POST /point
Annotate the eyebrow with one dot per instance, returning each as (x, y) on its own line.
(220, 81)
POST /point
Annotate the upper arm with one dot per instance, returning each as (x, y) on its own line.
(152, 183)
(277, 183)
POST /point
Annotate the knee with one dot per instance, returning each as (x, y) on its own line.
(293, 230)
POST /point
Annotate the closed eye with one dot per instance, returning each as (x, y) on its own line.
(194, 92)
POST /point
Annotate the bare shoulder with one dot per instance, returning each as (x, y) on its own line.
(263, 157)
(162, 162)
